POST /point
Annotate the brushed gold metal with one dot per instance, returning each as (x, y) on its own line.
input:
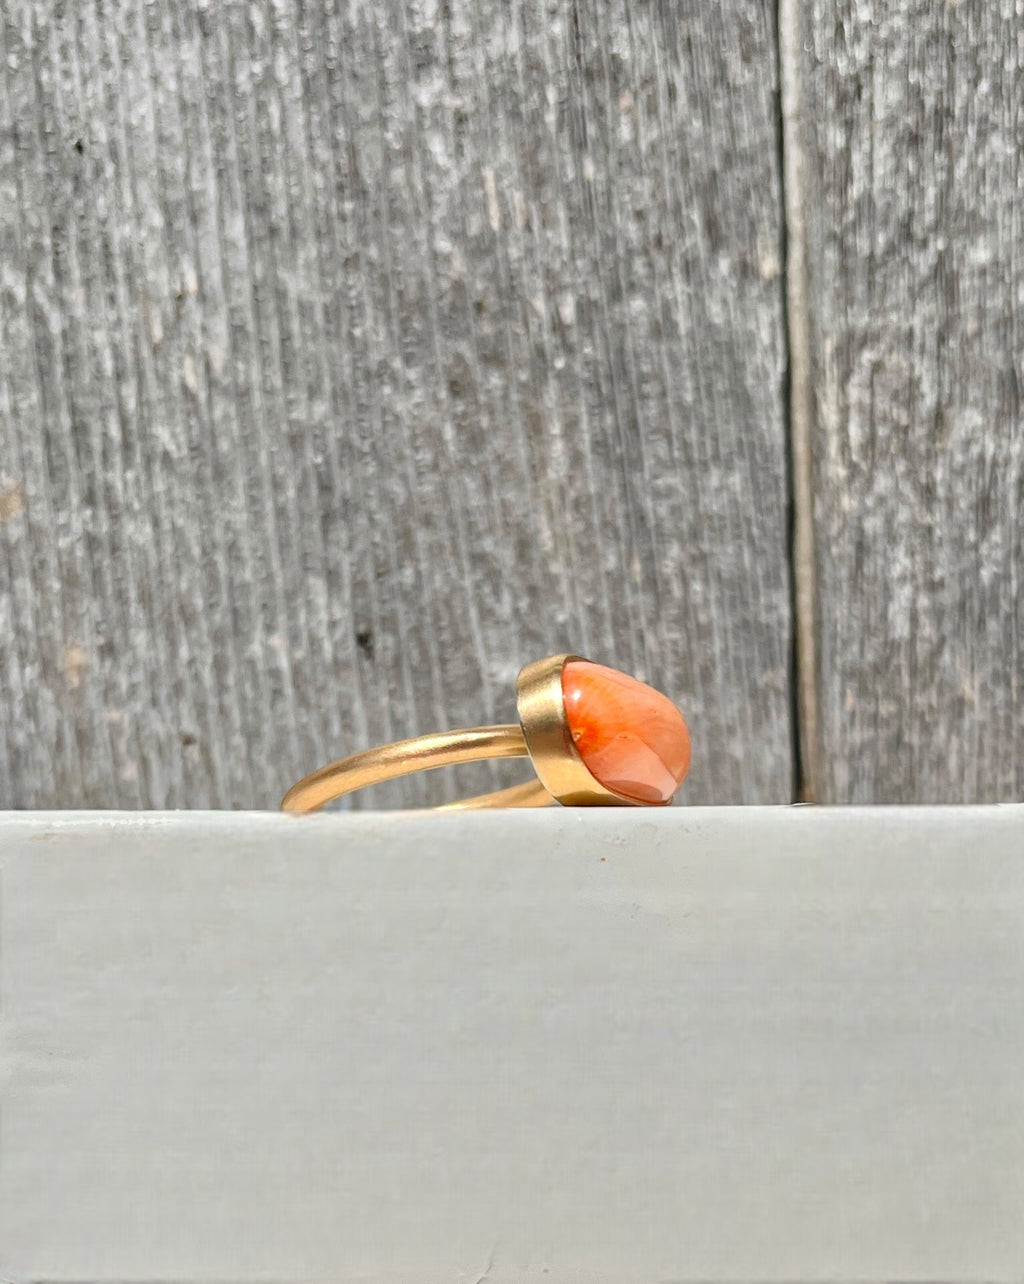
(543, 735)
(402, 758)
(555, 758)
(529, 794)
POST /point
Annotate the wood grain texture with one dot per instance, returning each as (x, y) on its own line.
(354, 354)
(913, 130)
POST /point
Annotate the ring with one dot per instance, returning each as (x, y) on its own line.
(595, 737)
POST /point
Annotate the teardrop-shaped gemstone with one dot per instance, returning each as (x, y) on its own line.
(631, 738)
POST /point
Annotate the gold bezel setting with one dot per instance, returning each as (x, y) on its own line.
(543, 734)
(540, 703)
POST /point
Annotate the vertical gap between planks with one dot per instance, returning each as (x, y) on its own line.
(799, 409)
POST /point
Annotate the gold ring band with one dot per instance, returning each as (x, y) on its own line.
(573, 757)
(403, 757)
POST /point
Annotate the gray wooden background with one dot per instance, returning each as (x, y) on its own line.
(355, 352)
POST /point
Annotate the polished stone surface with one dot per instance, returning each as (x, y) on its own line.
(631, 738)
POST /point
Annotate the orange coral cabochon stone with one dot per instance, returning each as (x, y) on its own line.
(632, 739)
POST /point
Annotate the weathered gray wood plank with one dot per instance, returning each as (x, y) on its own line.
(913, 130)
(356, 353)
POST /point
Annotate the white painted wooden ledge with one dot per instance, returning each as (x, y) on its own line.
(570, 1046)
